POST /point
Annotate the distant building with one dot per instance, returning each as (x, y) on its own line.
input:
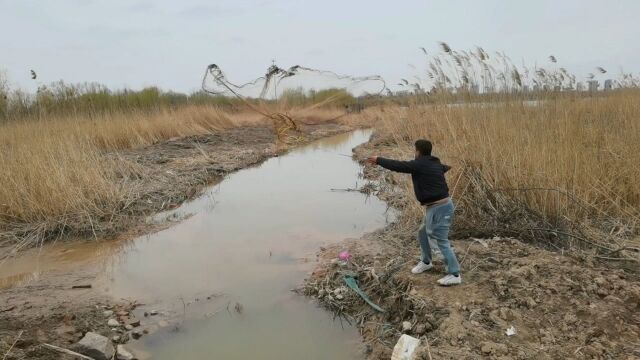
(608, 84)
(593, 85)
(403, 93)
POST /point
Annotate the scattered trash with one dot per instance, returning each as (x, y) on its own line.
(406, 348)
(351, 282)
(344, 255)
(511, 331)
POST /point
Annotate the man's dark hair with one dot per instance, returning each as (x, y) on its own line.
(424, 147)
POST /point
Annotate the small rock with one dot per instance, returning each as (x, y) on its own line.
(116, 338)
(95, 346)
(339, 296)
(128, 327)
(123, 313)
(136, 334)
(135, 323)
(146, 314)
(153, 312)
(406, 326)
(113, 323)
(321, 293)
(123, 354)
(107, 313)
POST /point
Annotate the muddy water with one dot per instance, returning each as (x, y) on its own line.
(221, 278)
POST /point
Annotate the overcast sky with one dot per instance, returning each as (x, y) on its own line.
(169, 43)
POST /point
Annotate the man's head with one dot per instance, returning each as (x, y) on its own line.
(423, 148)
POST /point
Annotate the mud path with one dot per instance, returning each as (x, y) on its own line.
(219, 279)
(560, 307)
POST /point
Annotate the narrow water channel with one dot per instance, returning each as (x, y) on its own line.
(221, 279)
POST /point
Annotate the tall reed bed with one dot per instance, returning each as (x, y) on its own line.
(56, 171)
(563, 171)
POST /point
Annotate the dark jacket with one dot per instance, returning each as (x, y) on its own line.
(427, 174)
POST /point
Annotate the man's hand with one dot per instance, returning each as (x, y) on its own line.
(373, 160)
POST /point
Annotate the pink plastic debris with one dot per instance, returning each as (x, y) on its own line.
(344, 255)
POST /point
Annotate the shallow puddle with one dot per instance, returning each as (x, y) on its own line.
(221, 279)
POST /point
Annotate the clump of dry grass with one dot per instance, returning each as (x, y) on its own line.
(563, 170)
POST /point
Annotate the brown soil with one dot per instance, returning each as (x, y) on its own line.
(560, 306)
(49, 310)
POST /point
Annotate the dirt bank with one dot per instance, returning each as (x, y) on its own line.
(48, 309)
(559, 306)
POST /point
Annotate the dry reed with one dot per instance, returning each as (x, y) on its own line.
(561, 171)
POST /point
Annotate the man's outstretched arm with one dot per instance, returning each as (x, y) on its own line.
(407, 167)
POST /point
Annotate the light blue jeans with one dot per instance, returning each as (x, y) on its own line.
(435, 226)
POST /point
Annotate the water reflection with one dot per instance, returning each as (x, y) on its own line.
(250, 239)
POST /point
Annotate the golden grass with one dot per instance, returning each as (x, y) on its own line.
(64, 172)
(55, 170)
(571, 164)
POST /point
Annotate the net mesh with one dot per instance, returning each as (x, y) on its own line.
(268, 94)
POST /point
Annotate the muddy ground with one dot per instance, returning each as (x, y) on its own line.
(50, 310)
(561, 307)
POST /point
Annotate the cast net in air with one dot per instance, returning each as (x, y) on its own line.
(275, 94)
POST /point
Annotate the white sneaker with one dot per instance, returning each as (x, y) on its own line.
(421, 267)
(450, 280)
